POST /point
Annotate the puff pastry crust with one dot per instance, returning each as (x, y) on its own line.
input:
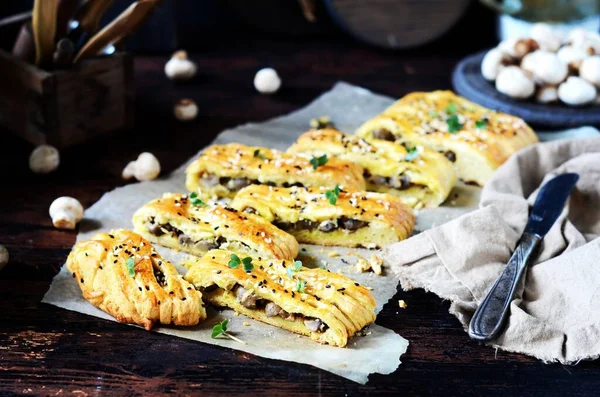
(327, 307)
(426, 119)
(156, 293)
(173, 221)
(357, 219)
(222, 170)
(420, 179)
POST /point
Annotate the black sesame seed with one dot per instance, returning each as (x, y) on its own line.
(218, 272)
(74, 275)
(140, 288)
(183, 299)
(111, 236)
(81, 280)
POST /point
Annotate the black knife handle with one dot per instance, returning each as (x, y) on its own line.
(489, 318)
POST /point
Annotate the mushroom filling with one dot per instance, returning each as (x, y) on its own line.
(252, 301)
(183, 239)
(325, 226)
(400, 182)
(160, 277)
(236, 184)
(450, 155)
(384, 134)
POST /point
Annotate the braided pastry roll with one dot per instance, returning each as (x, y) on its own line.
(121, 273)
(354, 219)
(222, 170)
(478, 140)
(419, 176)
(327, 307)
(189, 225)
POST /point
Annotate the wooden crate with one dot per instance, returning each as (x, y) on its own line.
(68, 106)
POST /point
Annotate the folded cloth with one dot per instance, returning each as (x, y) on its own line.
(556, 315)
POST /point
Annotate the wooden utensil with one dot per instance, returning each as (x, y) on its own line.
(90, 13)
(119, 28)
(44, 29)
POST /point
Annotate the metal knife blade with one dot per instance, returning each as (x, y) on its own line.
(489, 318)
(549, 203)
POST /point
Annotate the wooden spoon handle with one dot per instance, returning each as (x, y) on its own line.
(43, 23)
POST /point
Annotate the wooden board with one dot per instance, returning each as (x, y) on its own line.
(396, 24)
(468, 82)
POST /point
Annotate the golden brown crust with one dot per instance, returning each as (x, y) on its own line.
(266, 166)
(100, 268)
(388, 219)
(422, 118)
(343, 305)
(430, 174)
(203, 227)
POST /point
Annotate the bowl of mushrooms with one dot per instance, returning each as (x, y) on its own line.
(550, 78)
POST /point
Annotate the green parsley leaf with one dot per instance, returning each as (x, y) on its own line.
(290, 272)
(193, 195)
(234, 261)
(300, 286)
(411, 153)
(333, 195)
(196, 202)
(219, 329)
(131, 266)
(298, 265)
(318, 161)
(257, 153)
(247, 264)
(453, 124)
(451, 109)
(481, 124)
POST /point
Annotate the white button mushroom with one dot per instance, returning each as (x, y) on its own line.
(546, 37)
(145, 168)
(186, 110)
(546, 67)
(267, 81)
(572, 56)
(66, 212)
(179, 67)
(513, 81)
(590, 70)
(3, 256)
(494, 61)
(547, 94)
(517, 48)
(576, 91)
(587, 41)
(44, 159)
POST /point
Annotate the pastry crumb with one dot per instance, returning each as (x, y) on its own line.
(236, 314)
(375, 264)
(402, 304)
(247, 324)
(333, 254)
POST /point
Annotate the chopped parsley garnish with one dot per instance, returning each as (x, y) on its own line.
(235, 262)
(333, 195)
(221, 329)
(297, 267)
(451, 109)
(481, 124)
(247, 264)
(257, 153)
(197, 202)
(453, 124)
(131, 266)
(320, 123)
(300, 286)
(318, 161)
(411, 153)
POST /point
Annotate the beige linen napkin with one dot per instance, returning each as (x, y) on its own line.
(556, 317)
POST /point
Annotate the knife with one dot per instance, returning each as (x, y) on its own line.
(489, 318)
(120, 27)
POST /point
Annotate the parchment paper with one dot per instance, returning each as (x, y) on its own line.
(378, 351)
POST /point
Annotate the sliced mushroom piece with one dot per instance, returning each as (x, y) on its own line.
(273, 310)
(238, 183)
(154, 228)
(314, 324)
(328, 226)
(246, 298)
(384, 134)
(352, 224)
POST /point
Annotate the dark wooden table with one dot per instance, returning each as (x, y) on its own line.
(46, 350)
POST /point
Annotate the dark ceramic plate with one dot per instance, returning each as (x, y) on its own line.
(468, 82)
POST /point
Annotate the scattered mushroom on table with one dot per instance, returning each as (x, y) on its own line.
(547, 66)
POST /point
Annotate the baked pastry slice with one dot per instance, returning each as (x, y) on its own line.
(478, 140)
(222, 170)
(188, 224)
(419, 176)
(121, 273)
(317, 216)
(327, 307)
